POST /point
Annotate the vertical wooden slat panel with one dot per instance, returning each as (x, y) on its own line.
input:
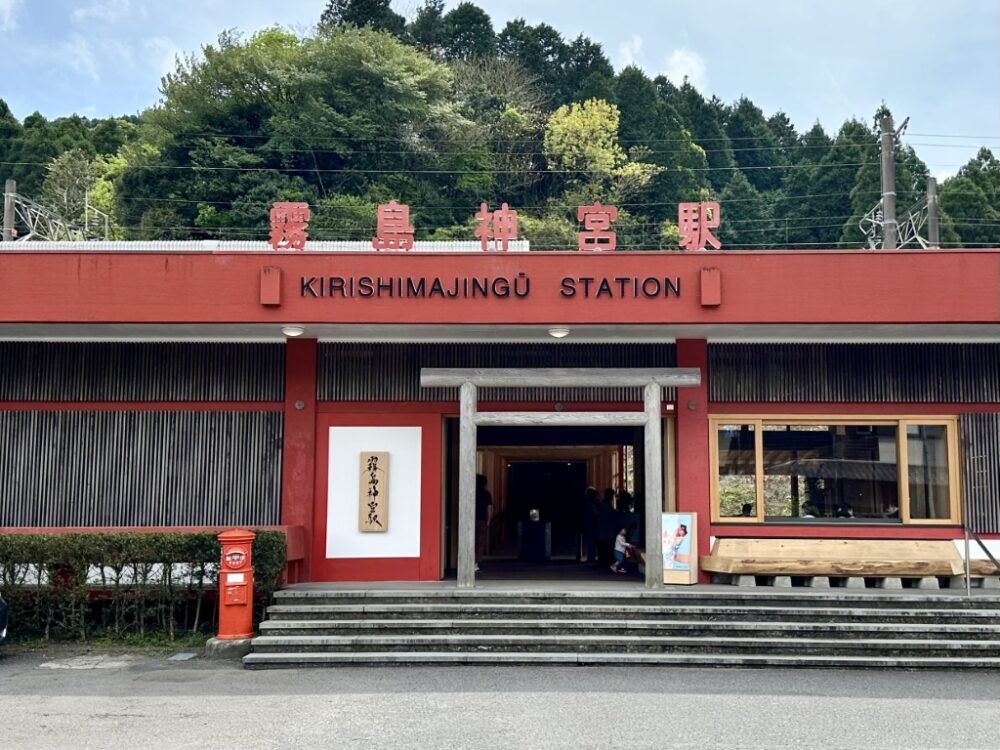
(162, 371)
(391, 372)
(981, 470)
(140, 468)
(872, 373)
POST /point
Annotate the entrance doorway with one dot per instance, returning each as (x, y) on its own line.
(538, 477)
(469, 380)
(550, 492)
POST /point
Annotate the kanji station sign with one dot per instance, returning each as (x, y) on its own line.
(288, 226)
(497, 228)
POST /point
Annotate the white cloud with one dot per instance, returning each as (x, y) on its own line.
(8, 11)
(102, 10)
(629, 51)
(686, 63)
(77, 53)
(163, 52)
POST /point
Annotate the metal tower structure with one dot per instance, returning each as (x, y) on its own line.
(43, 223)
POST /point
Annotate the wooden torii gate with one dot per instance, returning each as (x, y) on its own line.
(652, 381)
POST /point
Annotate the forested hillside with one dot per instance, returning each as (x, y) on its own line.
(447, 111)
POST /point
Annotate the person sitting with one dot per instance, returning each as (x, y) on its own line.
(747, 510)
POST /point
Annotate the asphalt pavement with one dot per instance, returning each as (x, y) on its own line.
(109, 699)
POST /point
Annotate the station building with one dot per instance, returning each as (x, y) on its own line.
(837, 394)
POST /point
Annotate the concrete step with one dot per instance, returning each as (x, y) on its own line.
(397, 658)
(894, 648)
(619, 612)
(523, 626)
(799, 597)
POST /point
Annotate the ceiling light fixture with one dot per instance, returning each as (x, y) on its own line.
(558, 333)
(293, 331)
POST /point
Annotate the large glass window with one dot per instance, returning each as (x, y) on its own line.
(927, 459)
(737, 470)
(830, 471)
(852, 470)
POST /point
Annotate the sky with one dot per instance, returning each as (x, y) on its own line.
(936, 62)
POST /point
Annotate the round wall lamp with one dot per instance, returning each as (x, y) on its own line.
(558, 333)
(293, 331)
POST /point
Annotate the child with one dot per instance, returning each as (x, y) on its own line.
(620, 546)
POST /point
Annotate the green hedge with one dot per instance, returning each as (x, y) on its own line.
(121, 585)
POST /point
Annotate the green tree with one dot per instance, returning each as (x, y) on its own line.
(282, 114)
(653, 132)
(755, 148)
(815, 197)
(374, 13)
(784, 132)
(427, 28)
(589, 73)
(38, 143)
(971, 201)
(541, 50)
(109, 135)
(10, 129)
(705, 123)
(69, 180)
(582, 140)
(467, 33)
(745, 216)
(504, 101)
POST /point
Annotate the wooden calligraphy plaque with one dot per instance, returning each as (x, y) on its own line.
(373, 492)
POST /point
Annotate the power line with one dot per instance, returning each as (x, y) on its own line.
(348, 152)
(351, 170)
(475, 207)
(478, 138)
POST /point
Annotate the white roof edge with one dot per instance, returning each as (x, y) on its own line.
(211, 246)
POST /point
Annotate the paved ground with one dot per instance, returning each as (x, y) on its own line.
(108, 700)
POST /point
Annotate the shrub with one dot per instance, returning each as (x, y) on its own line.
(119, 585)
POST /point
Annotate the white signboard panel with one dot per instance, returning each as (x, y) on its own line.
(343, 539)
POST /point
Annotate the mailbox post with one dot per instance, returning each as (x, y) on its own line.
(236, 586)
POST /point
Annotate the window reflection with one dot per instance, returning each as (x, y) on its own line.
(737, 471)
(927, 456)
(830, 471)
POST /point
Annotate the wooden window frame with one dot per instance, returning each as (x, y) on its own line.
(902, 459)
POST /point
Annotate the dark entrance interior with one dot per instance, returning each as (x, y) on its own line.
(550, 492)
(538, 477)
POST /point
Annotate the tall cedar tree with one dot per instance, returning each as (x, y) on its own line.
(755, 147)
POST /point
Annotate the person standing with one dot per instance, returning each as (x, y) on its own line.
(590, 503)
(621, 548)
(606, 527)
(483, 502)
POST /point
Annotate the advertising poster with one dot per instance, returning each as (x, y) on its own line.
(680, 555)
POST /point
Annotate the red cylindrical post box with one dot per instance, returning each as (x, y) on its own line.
(236, 585)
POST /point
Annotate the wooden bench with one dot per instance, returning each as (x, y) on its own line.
(982, 569)
(890, 558)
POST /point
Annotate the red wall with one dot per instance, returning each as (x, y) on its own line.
(774, 287)
(427, 567)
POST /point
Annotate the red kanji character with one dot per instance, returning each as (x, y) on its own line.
(392, 231)
(288, 225)
(694, 222)
(597, 221)
(496, 225)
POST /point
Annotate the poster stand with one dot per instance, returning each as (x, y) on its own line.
(680, 548)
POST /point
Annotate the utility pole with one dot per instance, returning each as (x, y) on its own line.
(888, 185)
(933, 214)
(9, 188)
